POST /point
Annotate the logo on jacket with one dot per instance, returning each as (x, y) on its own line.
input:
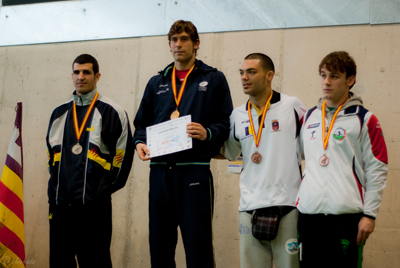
(313, 125)
(339, 134)
(292, 246)
(312, 135)
(275, 125)
(247, 131)
(162, 91)
(203, 86)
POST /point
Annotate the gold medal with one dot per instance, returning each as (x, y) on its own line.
(323, 160)
(175, 114)
(77, 149)
(256, 157)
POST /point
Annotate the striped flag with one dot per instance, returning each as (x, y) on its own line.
(12, 233)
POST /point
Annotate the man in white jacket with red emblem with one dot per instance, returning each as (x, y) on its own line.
(345, 171)
(265, 130)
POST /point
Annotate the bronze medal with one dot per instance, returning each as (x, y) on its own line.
(256, 157)
(175, 114)
(326, 131)
(77, 149)
(323, 160)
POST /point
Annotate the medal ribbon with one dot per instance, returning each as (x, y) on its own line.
(325, 136)
(178, 99)
(264, 112)
(78, 130)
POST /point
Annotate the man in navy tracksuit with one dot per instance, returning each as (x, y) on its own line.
(89, 158)
(181, 184)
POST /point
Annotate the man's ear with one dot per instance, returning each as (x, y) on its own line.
(351, 80)
(97, 77)
(270, 75)
(197, 44)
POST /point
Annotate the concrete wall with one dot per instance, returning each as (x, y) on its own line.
(39, 76)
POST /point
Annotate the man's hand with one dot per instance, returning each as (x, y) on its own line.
(142, 151)
(196, 131)
(365, 227)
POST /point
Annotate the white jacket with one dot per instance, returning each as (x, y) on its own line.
(354, 179)
(275, 181)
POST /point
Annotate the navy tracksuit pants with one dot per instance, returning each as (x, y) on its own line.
(181, 196)
(83, 231)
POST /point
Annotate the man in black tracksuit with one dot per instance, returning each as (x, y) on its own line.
(90, 157)
(181, 184)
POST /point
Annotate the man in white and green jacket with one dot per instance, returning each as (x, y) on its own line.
(345, 171)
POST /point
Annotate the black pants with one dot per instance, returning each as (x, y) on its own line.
(181, 196)
(329, 241)
(83, 231)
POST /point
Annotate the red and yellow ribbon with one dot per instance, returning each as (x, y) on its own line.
(325, 136)
(264, 112)
(178, 99)
(78, 130)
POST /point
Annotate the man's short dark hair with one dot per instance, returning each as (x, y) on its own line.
(86, 58)
(339, 61)
(266, 63)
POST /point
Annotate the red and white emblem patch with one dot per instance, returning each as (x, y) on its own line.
(275, 125)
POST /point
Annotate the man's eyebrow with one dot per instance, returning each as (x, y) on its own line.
(333, 72)
(250, 69)
(84, 70)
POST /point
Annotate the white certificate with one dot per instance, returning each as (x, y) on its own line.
(169, 137)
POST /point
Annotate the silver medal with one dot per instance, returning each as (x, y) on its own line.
(77, 149)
